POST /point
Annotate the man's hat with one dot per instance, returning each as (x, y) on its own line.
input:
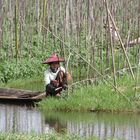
(53, 58)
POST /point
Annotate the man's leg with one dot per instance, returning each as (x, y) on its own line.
(62, 79)
(52, 90)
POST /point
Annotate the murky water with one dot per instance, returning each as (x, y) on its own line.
(17, 118)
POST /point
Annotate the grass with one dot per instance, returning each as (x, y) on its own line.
(101, 97)
(33, 84)
(94, 98)
(49, 136)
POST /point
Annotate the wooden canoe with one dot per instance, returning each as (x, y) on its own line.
(18, 94)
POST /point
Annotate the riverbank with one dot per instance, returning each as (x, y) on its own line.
(101, 97)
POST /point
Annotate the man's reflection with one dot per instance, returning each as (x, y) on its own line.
(55, 124)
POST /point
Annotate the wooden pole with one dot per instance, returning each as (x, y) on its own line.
(16, 31)
(111, 45)
(122, 45)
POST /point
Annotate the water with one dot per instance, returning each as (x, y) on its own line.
(17, 118)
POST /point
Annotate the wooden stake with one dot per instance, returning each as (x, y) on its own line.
(16, 31)
(111, 45)
(122, 45)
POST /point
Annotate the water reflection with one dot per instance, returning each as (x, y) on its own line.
(102, 125)
(20, 119)
(17, 118)
(55, 124)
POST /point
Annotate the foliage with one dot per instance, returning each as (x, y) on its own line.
(100, 97)
(49, 136)
(41, 30)
(26, 68)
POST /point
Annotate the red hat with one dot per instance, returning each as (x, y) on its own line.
(53, 58)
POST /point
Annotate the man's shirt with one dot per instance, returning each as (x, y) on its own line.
(49, 75)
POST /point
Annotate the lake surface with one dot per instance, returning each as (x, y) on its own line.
(20, 118)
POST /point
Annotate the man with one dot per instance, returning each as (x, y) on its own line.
(55, 76)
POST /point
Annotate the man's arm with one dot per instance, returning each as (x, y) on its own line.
(46, 78)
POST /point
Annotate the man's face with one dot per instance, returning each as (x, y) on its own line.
(54, 66)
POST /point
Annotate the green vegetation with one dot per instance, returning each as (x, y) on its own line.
(35, 136)
(31, 30)
(97, 98)
(33, 84)
(82, 96)
(24, 69)
(49, 136)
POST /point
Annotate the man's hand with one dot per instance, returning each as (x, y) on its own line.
(50, 88)
(65, 86)
(55, 83)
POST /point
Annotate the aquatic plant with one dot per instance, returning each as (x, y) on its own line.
(49, 136)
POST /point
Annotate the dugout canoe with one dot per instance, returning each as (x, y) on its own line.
(18, 94)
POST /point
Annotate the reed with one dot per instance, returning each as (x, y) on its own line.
(111, 45)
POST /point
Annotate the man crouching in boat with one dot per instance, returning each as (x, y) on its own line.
(55, 76)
